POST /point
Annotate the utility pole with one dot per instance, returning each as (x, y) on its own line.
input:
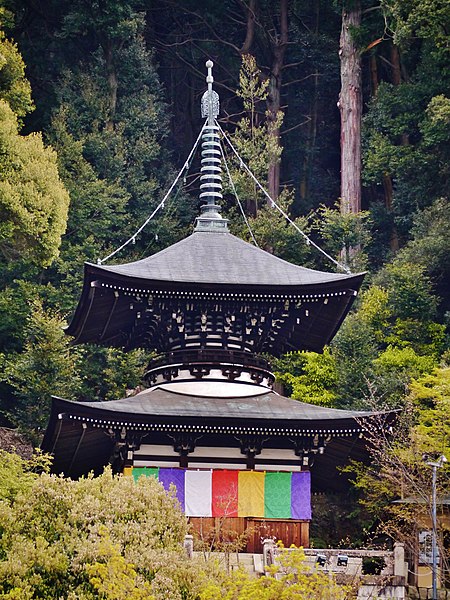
(435, 465)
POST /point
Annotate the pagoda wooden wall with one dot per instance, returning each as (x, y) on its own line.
(208, 530)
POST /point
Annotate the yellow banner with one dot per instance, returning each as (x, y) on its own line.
(250, 494)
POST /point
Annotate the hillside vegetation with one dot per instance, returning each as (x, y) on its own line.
(99, 107)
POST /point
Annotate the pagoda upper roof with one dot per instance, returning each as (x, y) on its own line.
(220, 258)
(113, 307)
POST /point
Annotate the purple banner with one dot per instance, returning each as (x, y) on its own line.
(175, 476)
(300, 495)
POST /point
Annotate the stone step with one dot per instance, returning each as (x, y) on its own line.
(252, 563)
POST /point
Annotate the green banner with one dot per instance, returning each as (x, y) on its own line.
(277, 495)
(146, 471)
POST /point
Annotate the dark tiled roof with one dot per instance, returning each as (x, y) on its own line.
(81, 435)
(221, 258)
(267, 406)
(112, 309)
(163, 403)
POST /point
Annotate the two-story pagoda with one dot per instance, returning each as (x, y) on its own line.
(209, 421)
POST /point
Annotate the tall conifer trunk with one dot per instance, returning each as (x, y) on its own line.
(250, 29)
(350, 106)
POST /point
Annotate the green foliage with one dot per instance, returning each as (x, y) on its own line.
(97, 206)
(410, 291)
(253, 137)
(394, 146)
(380, 348)
(275, 235)
(15, 302)
(288, 579)
(398, 471)
(428, 20)
(406, 131)
(354, 348)
(113, 577)
(259, 148)
(431, 395)
(309, 377)
(346, 235)
(18, 475)
(33, 201)
(399, 359)
(102, 107)
(436, 125)
(425, 338)
(375, 311)
(429, 244)
(117, 21)
(112, 120)
(101, 104)
(15, 88)
(412, 307)
(47, 365)
(252, 87)
(109, 373)
(108, 537)
(394, 368)
(109, 126)
(390, 339)
(429, 248)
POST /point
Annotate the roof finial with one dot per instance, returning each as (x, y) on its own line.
(210, 99)
(209, 77)
(210, 218)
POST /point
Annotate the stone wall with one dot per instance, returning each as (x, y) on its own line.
(417, 593)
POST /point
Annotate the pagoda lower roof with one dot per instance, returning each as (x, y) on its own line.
(221, 258)
(264, 406)
(82, 435)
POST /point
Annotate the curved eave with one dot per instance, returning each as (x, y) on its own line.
(157, 409)
(263, 407)
(328, 280)
(81, 435)
(96, 318)
(211, 257)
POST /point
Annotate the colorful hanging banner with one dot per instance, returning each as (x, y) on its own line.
(232, 493)
(301, 495)
(197, 499)
(224, 493)
(277, 495)
(251, 494)
(173, 477)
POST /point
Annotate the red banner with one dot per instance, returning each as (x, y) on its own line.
(225, 493)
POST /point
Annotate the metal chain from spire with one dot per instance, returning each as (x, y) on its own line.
(210, 218)
(280, 210)
(185, 167)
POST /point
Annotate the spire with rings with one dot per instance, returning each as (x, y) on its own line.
(210, 218)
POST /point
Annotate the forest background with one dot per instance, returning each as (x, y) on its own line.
(99, 107)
